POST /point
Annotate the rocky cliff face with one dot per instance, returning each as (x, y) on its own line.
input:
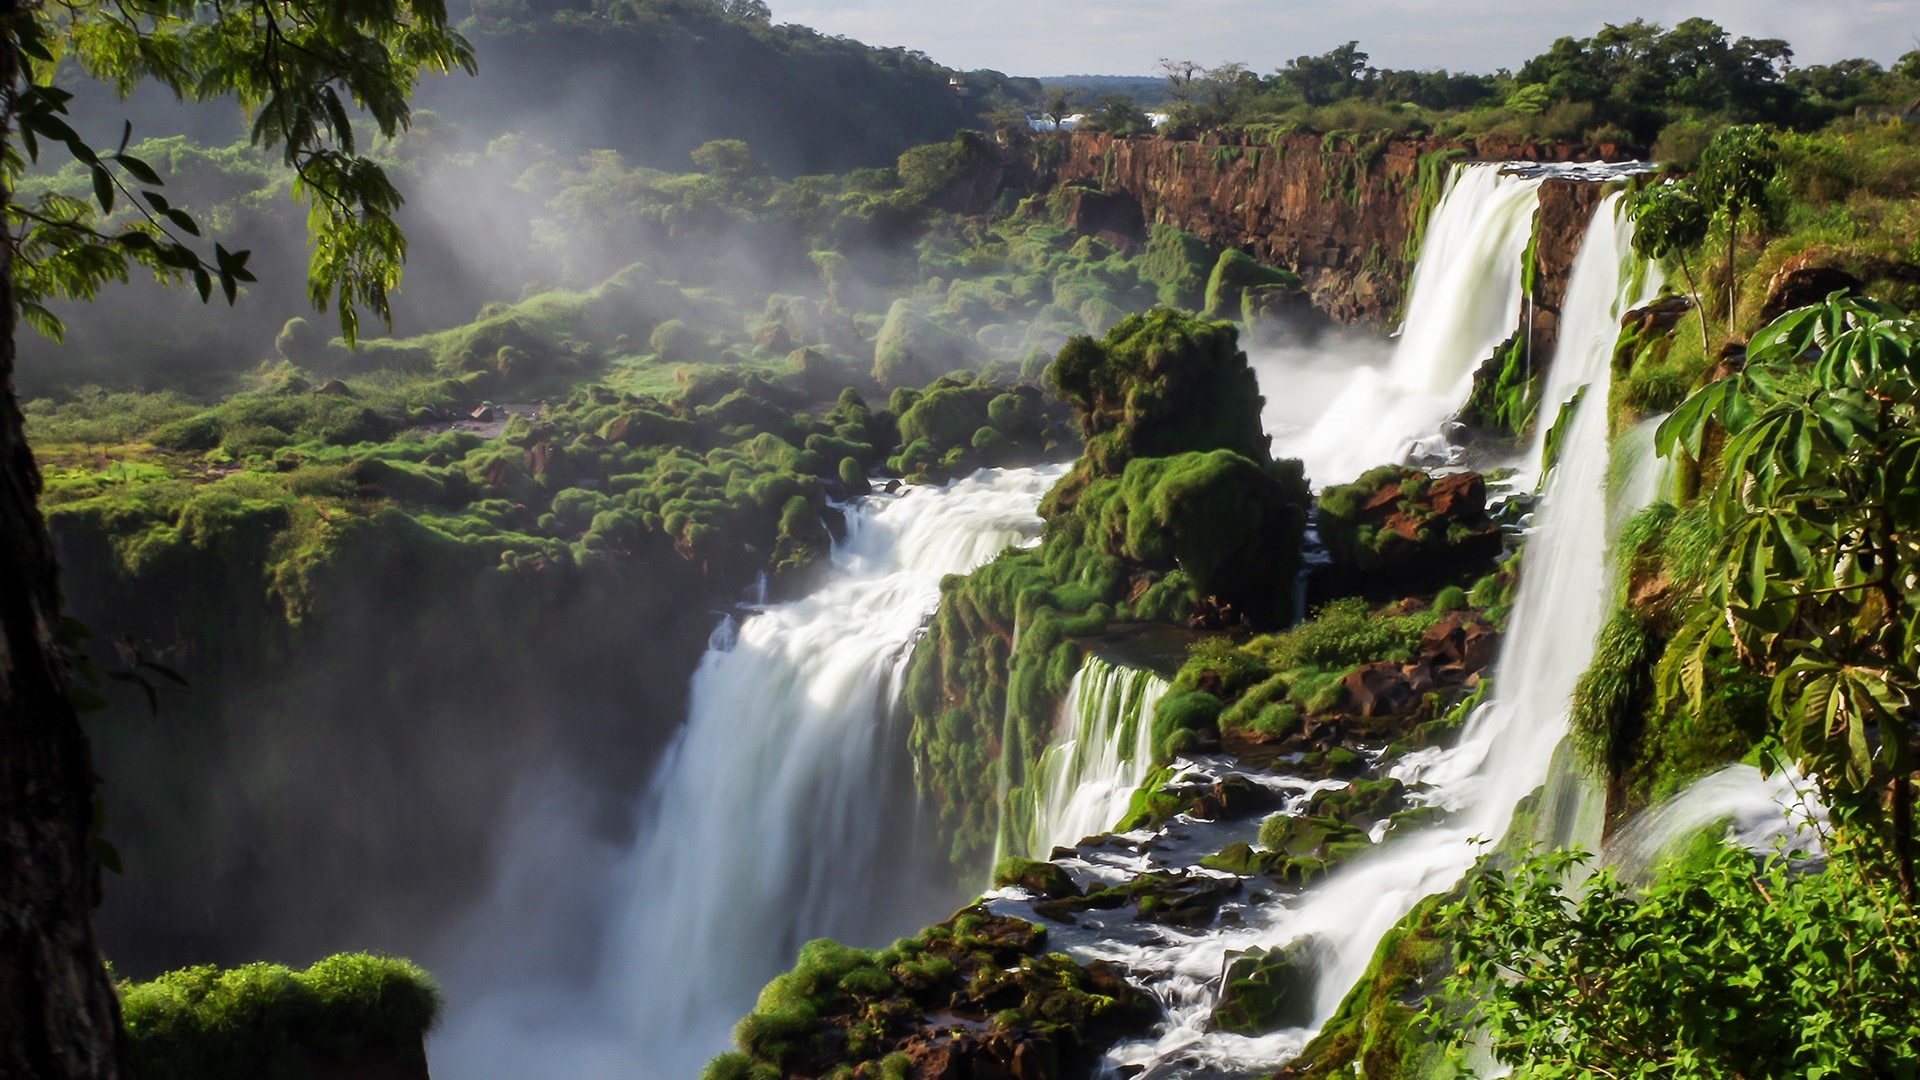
(1341, 212)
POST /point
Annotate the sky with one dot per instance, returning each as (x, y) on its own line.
(1126, 37)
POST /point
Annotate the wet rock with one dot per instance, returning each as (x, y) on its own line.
(1265, 990)
(1377, 689)
(1360, 803)
(1233, 796)
(1398, 530)
(1039, 878)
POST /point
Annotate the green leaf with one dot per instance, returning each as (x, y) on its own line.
(182, 221)
(138, 169)
(103, 189)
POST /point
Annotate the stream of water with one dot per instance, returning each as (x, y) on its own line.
(1503, 754)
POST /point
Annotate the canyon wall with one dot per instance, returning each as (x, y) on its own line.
(1342, 212)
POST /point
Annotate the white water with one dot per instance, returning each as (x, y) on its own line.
(1463, 301)
(769, 818)
(1503, 754)
(1764, 814)
(1101, 753)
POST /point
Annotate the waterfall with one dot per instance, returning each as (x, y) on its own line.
(1503, 754)
(1764, 814)
(1102, 752)
(783, 810)
(1463, 301)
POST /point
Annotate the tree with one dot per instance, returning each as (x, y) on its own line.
(1180, 75)
(1819, 581)
(1118, 114)
(1057, 107)
(1669, 220)
(298, 67)
(1321, 80)
(1735, 170)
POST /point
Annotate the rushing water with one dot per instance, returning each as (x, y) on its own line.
(781, 812)
(1102, 751)
(1503, 754)
(1780, 812)
(1463, 301)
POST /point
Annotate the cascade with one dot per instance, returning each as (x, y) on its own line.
(1102, 751)
(1463, 301)
(781, 809)
(1780, 812)
(1503, 754)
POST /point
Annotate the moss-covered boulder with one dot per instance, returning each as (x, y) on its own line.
(912, 349)
(1037, 877)
(1399, 530)
(1158, 384)
(977, 995)
(1266, 990)
(1236, 274)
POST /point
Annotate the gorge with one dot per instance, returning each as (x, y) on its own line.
(1203, 595)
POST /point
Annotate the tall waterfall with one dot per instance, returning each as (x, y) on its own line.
(1102, 751)
(766, 823)
(1463, 301)
(1507, 746)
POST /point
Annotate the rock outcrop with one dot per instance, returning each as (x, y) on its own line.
(1339, 212)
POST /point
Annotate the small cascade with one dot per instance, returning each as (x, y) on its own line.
(1764, 814)
(769, 819)
(1102, 752)
(1463, 301)
(1504, 753)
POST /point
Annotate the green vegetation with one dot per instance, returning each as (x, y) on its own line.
(1379, 1030)
(265, 1021)
(1160, 521)
(1266, 684)
(855, 1012)
(1720, 969)
(1636, 82)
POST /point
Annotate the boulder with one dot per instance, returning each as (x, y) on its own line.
(1266, 990)
(1399, 530)
(1800, 281)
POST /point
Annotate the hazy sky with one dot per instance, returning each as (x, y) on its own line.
(1125, 37)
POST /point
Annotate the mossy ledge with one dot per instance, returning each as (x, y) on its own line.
(1175, 514)
(977, 995)
(354, 1014)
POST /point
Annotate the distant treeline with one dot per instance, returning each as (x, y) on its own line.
(1637, 83)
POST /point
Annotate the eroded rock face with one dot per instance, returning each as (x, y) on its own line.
(1337, 213)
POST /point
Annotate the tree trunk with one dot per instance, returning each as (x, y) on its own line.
(59, 1017)
(1733, 287)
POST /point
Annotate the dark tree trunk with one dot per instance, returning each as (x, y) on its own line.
(59, 1017)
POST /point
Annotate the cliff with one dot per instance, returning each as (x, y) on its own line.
(1342, 212)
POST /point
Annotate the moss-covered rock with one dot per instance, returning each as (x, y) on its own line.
(1236, 273)
(996, 997)
(266, 1022)
(1266, 990)
(1397, 529)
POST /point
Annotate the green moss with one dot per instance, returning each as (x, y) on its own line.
(1378, 1030)
(1505, 392)
(1234, 273)
(264, 1020)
